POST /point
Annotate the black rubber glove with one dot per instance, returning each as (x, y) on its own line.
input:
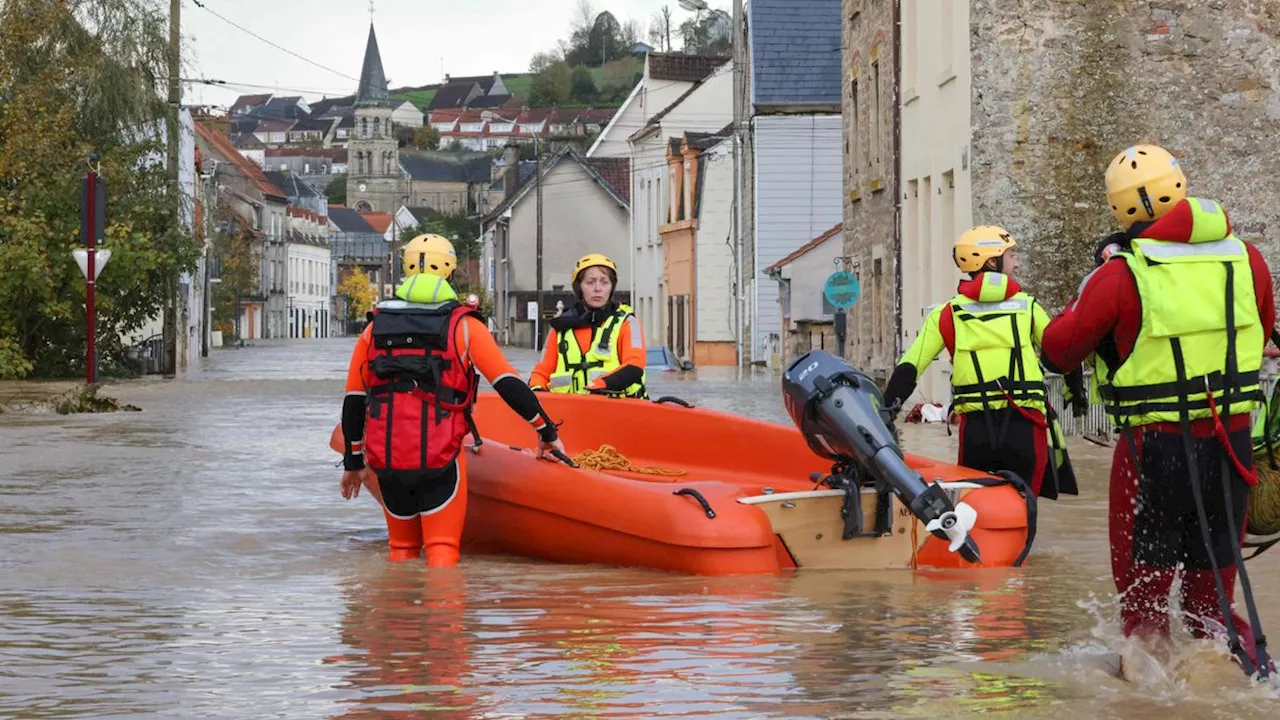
(1074, 394)
(1116, 238)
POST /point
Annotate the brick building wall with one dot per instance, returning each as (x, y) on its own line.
(1060, 87)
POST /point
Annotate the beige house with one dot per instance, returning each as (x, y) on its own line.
(585, 208)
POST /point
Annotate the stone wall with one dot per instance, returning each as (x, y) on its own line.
(870, 222)
(1060, 87)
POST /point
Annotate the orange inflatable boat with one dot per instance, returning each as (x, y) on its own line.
(671, 487)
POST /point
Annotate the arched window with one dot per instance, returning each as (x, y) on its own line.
(364, 127)
(364, 206)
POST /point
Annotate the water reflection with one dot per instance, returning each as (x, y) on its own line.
(195, 559)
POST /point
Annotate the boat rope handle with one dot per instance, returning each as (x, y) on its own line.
(706, 507)
(672, 399)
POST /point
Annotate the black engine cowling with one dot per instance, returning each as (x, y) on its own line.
(841, 414)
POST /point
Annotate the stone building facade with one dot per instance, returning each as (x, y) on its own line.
(1060, 88)
(871, 203)
(1009, 111)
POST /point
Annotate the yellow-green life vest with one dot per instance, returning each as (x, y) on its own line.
(995, 356)
(1200, 328)
(575, 372)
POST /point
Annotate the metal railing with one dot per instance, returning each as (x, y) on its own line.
(1095, 421)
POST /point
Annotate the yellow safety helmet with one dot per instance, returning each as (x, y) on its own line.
(431, 254)
(978, 245)
(1143, 183)
(592, 260)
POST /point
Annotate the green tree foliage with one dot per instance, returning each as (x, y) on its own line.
(426, 138)
(462, 231)
(552, 86)
(620, 77)
(583, 86)
(82, 76)
(336, 190)
(239, 259)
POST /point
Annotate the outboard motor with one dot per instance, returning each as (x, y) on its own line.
(841, 414)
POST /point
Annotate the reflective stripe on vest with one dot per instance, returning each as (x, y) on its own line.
(575, 372)
(1200, 328)
(995, 357)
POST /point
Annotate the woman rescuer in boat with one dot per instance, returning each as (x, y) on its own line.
(410, 387)
(613, 360)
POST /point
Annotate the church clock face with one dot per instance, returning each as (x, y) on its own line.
(363, 187)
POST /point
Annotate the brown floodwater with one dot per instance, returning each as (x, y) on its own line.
(196, 560)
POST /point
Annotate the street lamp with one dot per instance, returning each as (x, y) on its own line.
(537, 156)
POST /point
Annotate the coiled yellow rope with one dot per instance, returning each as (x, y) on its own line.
(608, 458)
(1264, 499)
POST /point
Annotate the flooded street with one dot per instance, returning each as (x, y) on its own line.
(196, 560)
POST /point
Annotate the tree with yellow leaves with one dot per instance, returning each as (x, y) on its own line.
(359, 292)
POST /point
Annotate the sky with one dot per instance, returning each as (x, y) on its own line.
(417, 39)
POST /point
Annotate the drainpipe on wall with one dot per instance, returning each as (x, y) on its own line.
(895, 183)
(631, 232)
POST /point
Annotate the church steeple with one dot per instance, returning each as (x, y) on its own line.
(373, 90)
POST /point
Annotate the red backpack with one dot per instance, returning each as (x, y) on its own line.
(419, 406)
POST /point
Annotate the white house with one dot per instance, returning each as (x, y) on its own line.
(666, 77)
(407, 114)
(585, 210)
(310, 279)
(705, 106)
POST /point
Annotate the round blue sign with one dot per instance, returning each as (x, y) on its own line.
(841, 289)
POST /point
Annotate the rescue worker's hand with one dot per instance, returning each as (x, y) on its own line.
(1073, 393)
(545, 449)
(1271, 352)
(351, 482)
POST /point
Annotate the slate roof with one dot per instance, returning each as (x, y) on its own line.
(349, 221)
(245, 102)
(372, 91)
(454, 95)
(489, 101)
(333, 106)
(291, 185)
(796, 52)
(484, 81)
(447, 167)
(422, 214)
(692, 68)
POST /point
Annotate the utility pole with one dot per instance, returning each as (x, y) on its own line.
(170, 323)
(739, 73)
(537, 153)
